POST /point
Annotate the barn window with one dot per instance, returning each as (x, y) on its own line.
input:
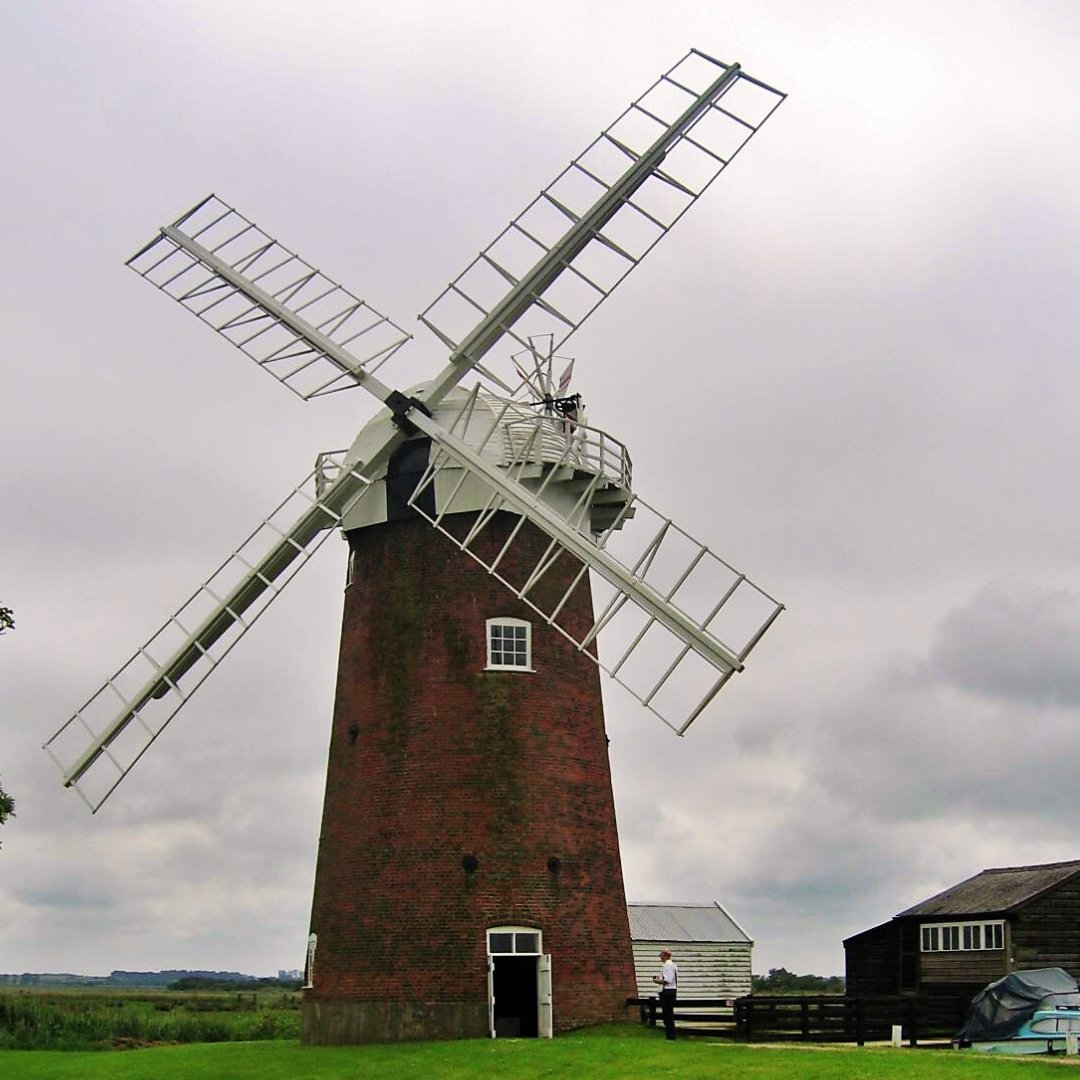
(962, 937)
(509, 645)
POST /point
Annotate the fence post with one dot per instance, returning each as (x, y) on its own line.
(913, 1021)
(860, 1036)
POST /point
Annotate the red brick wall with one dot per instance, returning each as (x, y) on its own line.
(432, 758)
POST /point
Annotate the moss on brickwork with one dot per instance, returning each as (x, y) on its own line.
(460, 651)
(497, 726)
(396, 650)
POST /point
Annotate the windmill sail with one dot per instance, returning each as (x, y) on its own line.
(676, 620)
(619, 197)
(572, 245)
(309, 332)
(97, 747)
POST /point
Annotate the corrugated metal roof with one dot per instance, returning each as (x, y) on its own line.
(998, 890)
(683, 922)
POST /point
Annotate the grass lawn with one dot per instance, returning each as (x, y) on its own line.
(622, 1052)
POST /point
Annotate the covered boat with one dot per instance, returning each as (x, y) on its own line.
(1026, 1012)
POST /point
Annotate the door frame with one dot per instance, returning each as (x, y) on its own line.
(521, 941)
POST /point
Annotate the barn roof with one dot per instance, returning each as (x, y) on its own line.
(997, 890)
(684, 922)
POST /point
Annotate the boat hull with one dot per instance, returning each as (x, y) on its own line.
(1039, 1044)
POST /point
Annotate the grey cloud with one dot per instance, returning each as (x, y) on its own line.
(1017, 642)
(54, 894)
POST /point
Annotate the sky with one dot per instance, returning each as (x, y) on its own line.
(849, 369)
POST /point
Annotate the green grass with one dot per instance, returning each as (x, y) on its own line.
(619, 1052)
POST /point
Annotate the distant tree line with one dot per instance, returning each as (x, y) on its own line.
(781, 981)
(170, 975)
(173, 978)
(208, 982)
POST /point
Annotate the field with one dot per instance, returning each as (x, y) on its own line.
(108, 1019)
(618, 1052)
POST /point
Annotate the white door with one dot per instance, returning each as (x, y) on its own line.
(545, 1022)
(491, 996)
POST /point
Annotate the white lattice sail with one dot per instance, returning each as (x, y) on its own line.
(645, 171)
(97, 747)
(676, 620)
(232, 275)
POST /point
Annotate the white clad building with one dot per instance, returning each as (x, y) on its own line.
(710, 948)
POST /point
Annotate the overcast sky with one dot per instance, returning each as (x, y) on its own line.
(850, 369)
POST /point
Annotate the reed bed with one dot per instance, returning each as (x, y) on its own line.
(102, 1020)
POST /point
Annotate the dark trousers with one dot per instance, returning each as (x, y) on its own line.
(667, 1009)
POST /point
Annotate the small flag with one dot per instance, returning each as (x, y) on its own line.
(564, 379)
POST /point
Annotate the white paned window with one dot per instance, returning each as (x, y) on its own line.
(514, 940)
(962, 937)
(509, 645)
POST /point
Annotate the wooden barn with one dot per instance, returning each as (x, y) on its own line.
(1001, 920)
(710, 947)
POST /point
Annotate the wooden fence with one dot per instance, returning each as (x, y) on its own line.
(700, 1016)
(815, 1018)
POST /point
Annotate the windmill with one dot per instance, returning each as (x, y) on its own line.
(468, 824)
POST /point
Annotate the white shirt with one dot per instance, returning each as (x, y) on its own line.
(669, 975)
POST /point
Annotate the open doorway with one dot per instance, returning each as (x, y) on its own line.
(514, 991)
(519, 984)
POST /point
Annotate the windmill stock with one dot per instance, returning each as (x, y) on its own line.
(468, 824)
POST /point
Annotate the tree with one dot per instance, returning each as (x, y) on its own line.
(7, 805)
(782, 981)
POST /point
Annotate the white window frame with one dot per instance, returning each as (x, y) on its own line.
(972, 936)
(506, 621)
(514, 931)
(309, 967)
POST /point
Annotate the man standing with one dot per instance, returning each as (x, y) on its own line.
(668, 981)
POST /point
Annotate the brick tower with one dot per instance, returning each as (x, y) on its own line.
(468, 826)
